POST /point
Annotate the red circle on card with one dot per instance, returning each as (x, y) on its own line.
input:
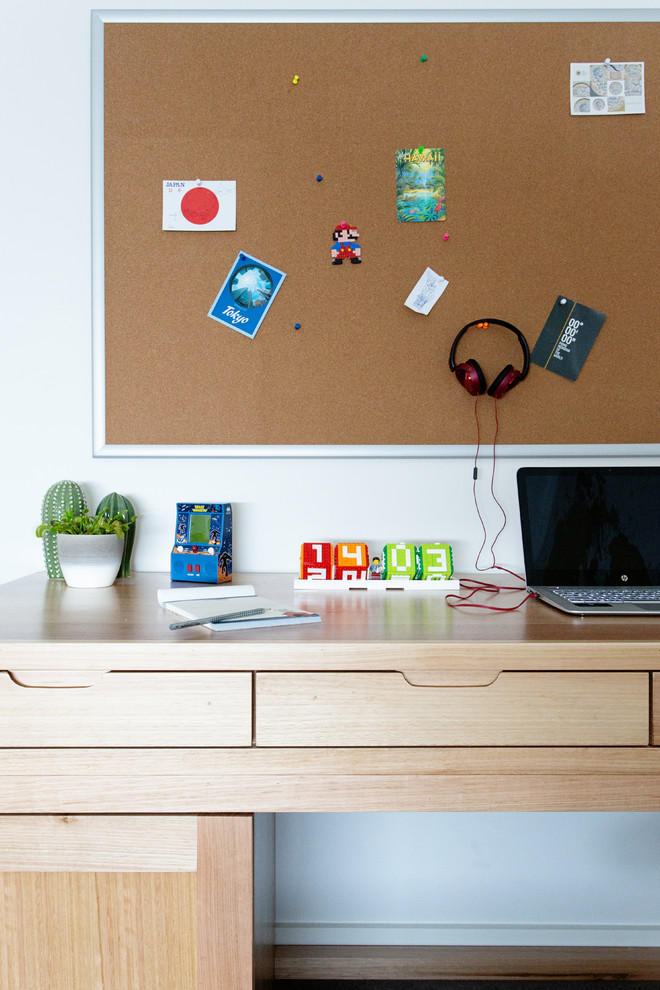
(200, 205)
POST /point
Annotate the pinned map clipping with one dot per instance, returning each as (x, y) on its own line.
(567, 338)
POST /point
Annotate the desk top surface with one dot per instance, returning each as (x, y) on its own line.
(120, 626)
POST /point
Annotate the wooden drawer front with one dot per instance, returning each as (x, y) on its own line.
(130, 710)
(517, 709)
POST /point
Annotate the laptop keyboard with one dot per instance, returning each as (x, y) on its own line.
(609, 596)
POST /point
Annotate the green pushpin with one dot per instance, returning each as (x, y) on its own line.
(421, 148)
(424, 58)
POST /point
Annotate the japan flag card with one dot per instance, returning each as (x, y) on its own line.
(246, 294)
(197, 205)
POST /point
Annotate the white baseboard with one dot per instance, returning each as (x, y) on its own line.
(292, 933)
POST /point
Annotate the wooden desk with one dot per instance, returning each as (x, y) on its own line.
(140, 768)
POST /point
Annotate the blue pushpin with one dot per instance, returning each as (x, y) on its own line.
(297, 326)
(319, 178)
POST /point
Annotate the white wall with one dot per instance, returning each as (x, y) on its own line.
(45, 398)
(45, 417)
(468, 879)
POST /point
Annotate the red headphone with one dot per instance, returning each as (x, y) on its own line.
(470, 375)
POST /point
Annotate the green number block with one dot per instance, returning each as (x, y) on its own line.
(434, 562)
(399, 561)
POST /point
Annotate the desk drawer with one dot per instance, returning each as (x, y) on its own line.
(130, 710)
(517, 709)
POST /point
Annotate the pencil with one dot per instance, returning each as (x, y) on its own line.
(219, 618)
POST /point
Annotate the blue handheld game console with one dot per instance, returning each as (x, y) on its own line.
(202, 543)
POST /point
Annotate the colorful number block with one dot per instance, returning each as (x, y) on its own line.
(434, 562)
(351, 561)
(316, 561)
(399, 561)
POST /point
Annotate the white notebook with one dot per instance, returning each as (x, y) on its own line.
(198, 603)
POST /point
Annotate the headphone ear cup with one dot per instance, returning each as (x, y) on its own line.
(471, 377)
(507, 379)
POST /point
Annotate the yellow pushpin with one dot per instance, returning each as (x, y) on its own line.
(295, 80)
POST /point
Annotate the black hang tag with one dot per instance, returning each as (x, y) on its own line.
(567, 337)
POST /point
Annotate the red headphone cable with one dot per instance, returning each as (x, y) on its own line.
(468, 583)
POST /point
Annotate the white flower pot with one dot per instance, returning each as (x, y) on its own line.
(89, 561)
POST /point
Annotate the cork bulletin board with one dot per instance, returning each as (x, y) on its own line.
(539, 203)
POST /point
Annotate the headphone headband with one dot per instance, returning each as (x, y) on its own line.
(500, 323)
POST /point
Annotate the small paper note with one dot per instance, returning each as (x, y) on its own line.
(246, 294)
(602, 88)
(567, 338)
(427, 292)
(197, 205)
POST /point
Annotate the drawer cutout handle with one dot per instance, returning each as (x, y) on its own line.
(57, 678)
(450, 678)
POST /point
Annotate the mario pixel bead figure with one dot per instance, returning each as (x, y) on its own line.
(345, 244)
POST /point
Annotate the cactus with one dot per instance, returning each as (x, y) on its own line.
(61, 496)
(115, 504)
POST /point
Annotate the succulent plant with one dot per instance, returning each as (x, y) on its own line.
(114, 505)
(102, 524)
(61, 496)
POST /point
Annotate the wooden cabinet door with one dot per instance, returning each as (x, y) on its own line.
(128, 902)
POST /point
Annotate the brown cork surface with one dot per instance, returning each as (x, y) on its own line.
(539, 203)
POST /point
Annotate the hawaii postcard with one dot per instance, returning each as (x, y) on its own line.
(420, 184)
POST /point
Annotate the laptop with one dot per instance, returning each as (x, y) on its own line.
(591, 538)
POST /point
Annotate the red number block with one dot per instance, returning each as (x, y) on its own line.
(316, 561)
(351, 561)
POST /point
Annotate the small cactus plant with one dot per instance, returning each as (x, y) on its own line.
(114, 504)
(61, 496)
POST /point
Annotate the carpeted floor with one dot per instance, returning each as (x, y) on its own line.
(558, 984)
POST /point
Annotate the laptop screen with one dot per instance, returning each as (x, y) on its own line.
(589, 526)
